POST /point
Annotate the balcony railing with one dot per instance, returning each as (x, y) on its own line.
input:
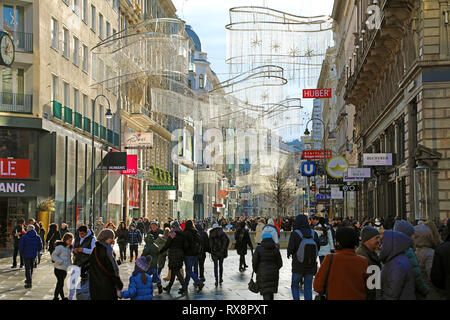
(16, 102)
(23, 41)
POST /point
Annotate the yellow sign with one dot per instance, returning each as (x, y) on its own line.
(337, 166)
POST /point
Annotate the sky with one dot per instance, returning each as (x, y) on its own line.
(209, 17)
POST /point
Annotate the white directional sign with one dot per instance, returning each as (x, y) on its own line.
(348, 179)
(377, 159)
(358, 172)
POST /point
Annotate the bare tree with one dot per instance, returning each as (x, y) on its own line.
(280, 191)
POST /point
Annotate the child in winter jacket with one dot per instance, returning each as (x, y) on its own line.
(62, 255)
(134, 239)
(140, 287)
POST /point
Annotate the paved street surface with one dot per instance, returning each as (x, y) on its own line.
(234, 286)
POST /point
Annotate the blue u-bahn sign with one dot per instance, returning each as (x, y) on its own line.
(308, 169)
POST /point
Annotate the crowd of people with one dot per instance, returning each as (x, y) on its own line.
(338, 259)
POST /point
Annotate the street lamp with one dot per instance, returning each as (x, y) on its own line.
(108, 115)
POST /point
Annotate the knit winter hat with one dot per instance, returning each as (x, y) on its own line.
(143, 263)
(266, 235)
(368, 232)
(106, 234)
(175, 225)
(404, 227)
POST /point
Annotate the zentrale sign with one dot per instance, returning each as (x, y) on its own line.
(316, 93)
(14, 168)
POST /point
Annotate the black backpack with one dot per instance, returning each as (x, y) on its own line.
(323, 239)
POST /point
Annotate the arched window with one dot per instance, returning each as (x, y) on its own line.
(201, 81)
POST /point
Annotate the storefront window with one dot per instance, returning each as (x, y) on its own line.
(20, 144)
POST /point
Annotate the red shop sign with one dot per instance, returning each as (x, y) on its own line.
(316, 154)
(134, 192)
(131, 164)
(14, 168)
(316, 93)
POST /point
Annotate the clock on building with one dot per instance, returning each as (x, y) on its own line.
(7, 50)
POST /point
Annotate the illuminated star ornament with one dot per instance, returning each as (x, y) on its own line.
(309, 53)
(256, 42)
(276, 46)
(294, 52)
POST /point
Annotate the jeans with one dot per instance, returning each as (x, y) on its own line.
(60, 276)
(16, 252)
(218, 264)
(123, 250)
(154, 273)
(133, 248)
(29, 264)
(201, 266)
(242, 261)
(268, 296)
(321, 258)
(191, 262)
(296, 278)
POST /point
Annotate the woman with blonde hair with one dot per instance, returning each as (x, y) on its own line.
(436, 237)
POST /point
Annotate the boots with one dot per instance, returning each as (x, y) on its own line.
(160, 288)
(168, 276)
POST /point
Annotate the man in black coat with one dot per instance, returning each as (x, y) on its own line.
(242, 238)
(192, 247)
(204, 242)
(440, 271)
(301, 270)
(17, 233)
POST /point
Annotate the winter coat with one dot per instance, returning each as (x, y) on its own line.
(440, 271)
(242, 241)
(192, 241)
(134, 237)
(151, 249)
(62, 232)
(161, 242)
(16, 239)
(273, 231)
(141, 227)
(347, 278)
(98, 227)
(176, 250)
(52, 237)
(204, 240)
(122, 235)
(324, 250)
(259, 232)
(397, 275)
(42, 235)
(103, 279)
(301, 223)
(62, 256)
(137, 290)
(422, 288)
(30, 244)
(218, 243)
(267, 263)
(372, 259)
(423, 239)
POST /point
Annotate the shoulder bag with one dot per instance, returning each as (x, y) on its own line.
(252, 285)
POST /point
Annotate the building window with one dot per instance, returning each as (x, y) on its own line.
(100, 26)
(116, 5)
(66, 43)
(76, 100)
(84, 15)
(55, 37)
(76, 51)
(66, 2)
(93, 18)
(101, 70)
(201, 81)
(76, 7)
(108, 29)
(85, 58)
(55, 88)
(85, 105)
(401, 141)
(66, 95)
(94, 67)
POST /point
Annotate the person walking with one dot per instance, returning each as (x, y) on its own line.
(140, 286)
(242, 241)
(29, 246)
(122, 240)
(104, 279)
(307, 268)
(440, 271)
(52, 236)
(83, 246)
(134, 240)
(192, 247)
(325, 239)
(111, 226)
(204, 248)
(155, 230)
(63, 230)
(425, 243)
(368, 248)
(270, 227)
(397, 275)
(99, 226)
(161, 242)
(17, 233)
(347, 271)
(152, 250)
(218, 243)
(266, 263)
(175, 245)
(62, 255)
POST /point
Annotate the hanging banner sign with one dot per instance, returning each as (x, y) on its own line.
(316, 154)
(139, 140)
(358, 172)
(114, 161)
(131, 165)
(15, 168)
(316, 93)
(377, 159)
(349, 179)
(349, 188)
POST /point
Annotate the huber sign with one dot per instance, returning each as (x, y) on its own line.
(15, 168)
(316, 93)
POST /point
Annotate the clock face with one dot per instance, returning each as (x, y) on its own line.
(7, 50)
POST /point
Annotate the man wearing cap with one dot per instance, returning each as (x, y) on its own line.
(155, 231)
(370, 242)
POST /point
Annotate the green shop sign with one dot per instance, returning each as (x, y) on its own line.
(162, 188)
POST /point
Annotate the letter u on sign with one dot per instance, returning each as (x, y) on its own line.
(308, 169)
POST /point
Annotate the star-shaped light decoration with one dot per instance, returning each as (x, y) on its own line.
(294, 52)
(264, 96)
(256, 42)
(276, 46)
(309, 53)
